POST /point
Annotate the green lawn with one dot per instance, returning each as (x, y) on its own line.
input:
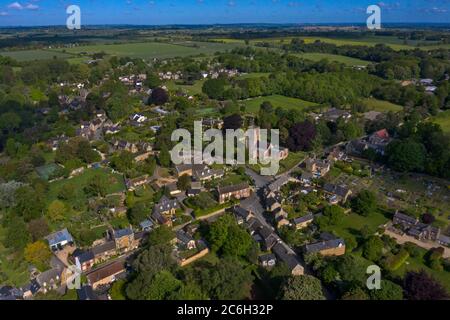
(30, 55)
(443, 119)
(253, 105)
(352, 223)
(333, 57)
(116, 182)
(381, 106)
(192, 90)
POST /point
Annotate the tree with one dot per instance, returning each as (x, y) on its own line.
(232, 122)
(301, 136)
(164, 156)
(304, 287)
(238, 242)
(406, 156)
(152, 80)
(29, 202)
(161, 235)
(159, 96)
(365, 203)
(332, 215)
(214, 88)
(162, 286)
(373, 248)
(17, 235)
(8, 193)
(420, 286)
(39, 254)
(38, 228)
(117, 291)
(389, 291)
(184, 182)
(139, 213)
(355, 293)
(148, 264)
(228, 280)
(56, 210)
(97, 186)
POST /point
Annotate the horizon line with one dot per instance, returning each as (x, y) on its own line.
(230, 24)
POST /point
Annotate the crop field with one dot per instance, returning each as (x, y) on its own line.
(381, 106)
(38, 54)
(443, 119)
(334, 57)
(253, 105)
(151, 50)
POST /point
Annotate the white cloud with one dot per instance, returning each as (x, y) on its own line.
(16, 6)
(31, 6)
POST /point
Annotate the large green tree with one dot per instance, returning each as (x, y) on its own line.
(304, 287)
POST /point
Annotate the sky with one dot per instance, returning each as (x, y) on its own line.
(163, 12)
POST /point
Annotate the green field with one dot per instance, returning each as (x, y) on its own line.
(333, 57)
(443, 119)
(116, 182)
(393, 42)
(31, 55)
(151, 50)
(193, 90)
(381, 106)
(253, 105)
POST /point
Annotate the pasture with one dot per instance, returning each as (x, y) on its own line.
(152, 50)
(381, 105)
(38, 54)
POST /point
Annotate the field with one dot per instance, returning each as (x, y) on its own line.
(333, 57)
(195, 89)
(393, 42)
(151, 50)
(31, 55)
(381, 106)
(253, 105)
(443, 119)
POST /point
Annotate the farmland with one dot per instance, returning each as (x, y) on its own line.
(151, 50)
(393, 42)
(253, 105)
(30, 55)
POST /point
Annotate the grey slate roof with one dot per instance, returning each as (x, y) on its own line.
(59, 237)
(324, 245)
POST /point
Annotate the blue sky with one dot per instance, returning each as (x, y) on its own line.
(156, 12)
